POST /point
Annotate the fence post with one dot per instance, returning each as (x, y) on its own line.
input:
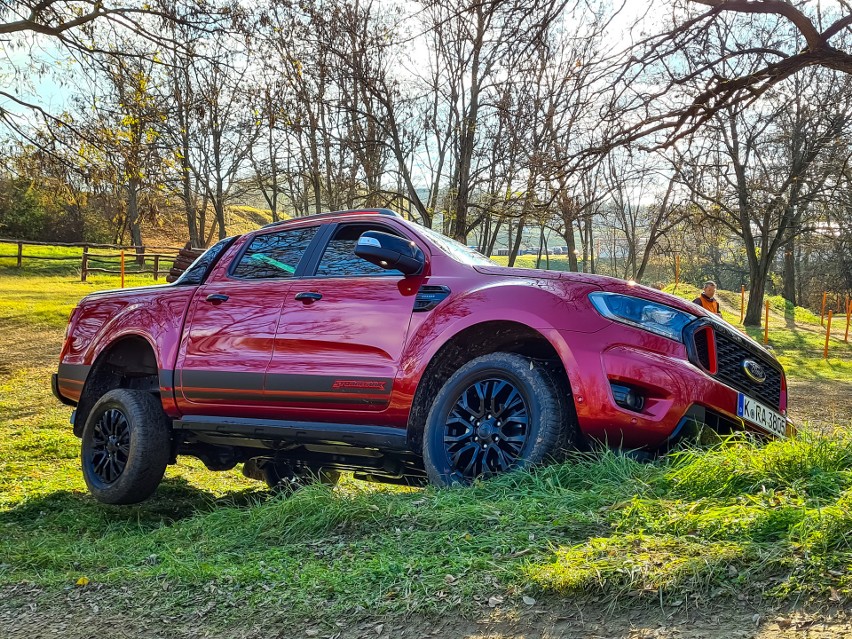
(848, 317)
(822, 312)
(156, 267)
(766, 325)
(85, 264)
(122, 268)
(827, 335)
(20, 253)
(742, 303)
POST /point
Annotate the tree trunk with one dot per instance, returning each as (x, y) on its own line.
(589, 245)
(133, 219)
(188, 206)
(571, 245)
(513, 254)
(757, 288)
(219, 208)
(540, 246)
(467, 142)
(646, 256)
(790, 271)
(489, 251)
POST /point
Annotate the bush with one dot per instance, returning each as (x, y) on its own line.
(31, 212)
(21, 213)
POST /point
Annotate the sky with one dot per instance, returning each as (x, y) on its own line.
(33, 66)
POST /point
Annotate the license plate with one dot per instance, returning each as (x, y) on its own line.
(761, 415)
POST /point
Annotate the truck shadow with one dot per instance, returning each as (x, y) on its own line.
(66, 511)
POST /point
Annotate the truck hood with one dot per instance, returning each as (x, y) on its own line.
(128, 292)
(609, 284)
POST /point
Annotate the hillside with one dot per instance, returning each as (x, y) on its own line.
(170, 229)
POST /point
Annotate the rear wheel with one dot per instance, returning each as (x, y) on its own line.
(497, 413)
(126, 446)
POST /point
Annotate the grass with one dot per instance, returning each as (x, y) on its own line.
(556, 262)
(735, 519)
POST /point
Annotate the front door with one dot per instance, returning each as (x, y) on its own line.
(231, 327)
(341, 334)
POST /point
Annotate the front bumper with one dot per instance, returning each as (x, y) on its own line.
(676, 391)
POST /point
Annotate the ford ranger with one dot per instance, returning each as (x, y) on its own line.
(359, 341)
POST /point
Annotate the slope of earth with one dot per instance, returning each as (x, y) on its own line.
(738, 540)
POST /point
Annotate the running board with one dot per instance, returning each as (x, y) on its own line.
(385, 438)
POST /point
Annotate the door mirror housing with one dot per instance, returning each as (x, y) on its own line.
(390, 252)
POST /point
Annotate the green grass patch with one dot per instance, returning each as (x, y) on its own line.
(552, 262)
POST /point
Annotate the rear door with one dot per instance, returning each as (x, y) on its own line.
(231, 327)
(341, 334)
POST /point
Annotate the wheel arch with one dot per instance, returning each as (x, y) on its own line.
(473, 341)
(129, 361)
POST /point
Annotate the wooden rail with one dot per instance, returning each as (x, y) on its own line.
(126, 247)
(86, 258)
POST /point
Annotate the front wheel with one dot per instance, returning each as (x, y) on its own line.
(497, 413)
(125, 448)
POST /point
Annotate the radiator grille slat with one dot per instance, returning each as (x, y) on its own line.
(730, 354)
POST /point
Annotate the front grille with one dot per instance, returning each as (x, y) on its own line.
(702, 348)
(731, 351)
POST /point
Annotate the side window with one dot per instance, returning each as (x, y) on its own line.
(274, 255)
(339, 259)
(199, 269)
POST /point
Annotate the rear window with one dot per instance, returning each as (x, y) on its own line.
(201, 267)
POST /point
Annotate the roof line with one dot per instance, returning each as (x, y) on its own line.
(320, 216)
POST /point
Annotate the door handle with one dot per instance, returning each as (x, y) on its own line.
(217, 298)
(308, 296)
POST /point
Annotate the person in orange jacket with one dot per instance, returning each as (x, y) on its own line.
(707, 299)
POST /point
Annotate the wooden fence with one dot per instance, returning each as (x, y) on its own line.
(151, 260)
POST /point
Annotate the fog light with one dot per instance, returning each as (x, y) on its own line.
(627, 397)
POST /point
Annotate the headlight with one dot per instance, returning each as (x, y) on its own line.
(650, 316)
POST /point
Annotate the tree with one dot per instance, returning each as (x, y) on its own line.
(227, 129)
(763, 169)
(660, 100)
(127, 132)
(84, 28)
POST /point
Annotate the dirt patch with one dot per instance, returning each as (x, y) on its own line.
(32, 348)
(30, 613)
(820, 403)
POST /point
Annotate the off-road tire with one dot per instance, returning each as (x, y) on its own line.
(551, 425)
(147, 450)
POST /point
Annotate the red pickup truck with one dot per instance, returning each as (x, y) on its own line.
(359, 341)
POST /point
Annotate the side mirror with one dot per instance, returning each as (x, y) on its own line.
(390, 252)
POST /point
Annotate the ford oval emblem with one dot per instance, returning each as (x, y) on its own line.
(754, 371)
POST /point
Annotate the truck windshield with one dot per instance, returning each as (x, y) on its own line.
(457, 250)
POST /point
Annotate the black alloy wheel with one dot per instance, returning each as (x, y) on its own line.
(126, 446)
(486, 430)
(497, 413)
(110, 445)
